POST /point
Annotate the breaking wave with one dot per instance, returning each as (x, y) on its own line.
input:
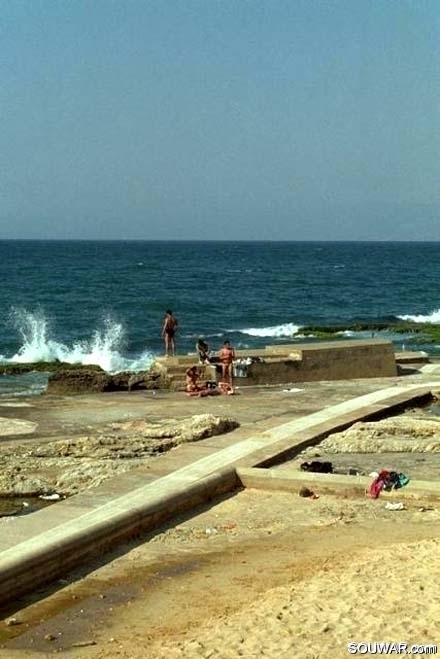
(103, 348)
(434, 317)
(280, 331)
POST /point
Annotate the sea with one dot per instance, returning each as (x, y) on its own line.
(103, 302)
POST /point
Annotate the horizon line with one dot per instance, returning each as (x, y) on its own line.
(214, 240)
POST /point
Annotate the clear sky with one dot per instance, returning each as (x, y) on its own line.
(220, 119)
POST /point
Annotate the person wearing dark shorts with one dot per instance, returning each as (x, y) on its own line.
(169, 332)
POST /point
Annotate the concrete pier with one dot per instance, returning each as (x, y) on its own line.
(299, 362)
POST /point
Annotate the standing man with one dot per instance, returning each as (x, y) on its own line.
(227, 356)
(169, 331)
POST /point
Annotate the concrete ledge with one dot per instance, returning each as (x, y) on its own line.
(412, 357)
(44, 558)
(272, 479)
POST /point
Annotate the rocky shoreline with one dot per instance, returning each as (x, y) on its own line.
(66, 379)
(65, 467)
(58, 444)
(83, 380)
(60, 468)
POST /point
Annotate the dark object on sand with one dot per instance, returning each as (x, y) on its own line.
(318, 467)
(305, 492)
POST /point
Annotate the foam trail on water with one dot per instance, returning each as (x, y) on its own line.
(102, 349)
(434, 317)
(285, 330)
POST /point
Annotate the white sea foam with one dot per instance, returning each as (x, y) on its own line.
(434, 317)
(102, 349)
(287, 329)
(362, 334)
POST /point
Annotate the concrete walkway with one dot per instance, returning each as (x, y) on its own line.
(46, 544)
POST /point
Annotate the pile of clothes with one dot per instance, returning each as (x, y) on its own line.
(382, 480)
(386, 480)
(318, 467)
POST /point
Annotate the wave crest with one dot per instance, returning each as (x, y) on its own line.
(434, 317)
(102, 349)
(284, 330)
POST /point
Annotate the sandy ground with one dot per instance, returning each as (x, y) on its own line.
(256, 574)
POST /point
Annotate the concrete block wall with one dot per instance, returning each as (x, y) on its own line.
(306, 362)
(338, 360)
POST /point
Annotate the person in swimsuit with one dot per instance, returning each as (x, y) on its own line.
(169, 331)
(227, 356)
(194, 387)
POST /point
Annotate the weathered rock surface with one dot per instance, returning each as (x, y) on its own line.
(148, 380)
(73, 465)
(79, 381)
(16, 426)
(397, 434)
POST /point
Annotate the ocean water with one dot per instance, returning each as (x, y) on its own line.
(103, 302)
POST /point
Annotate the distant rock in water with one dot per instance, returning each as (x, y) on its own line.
(44, 367)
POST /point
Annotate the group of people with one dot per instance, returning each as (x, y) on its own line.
(196, 387)
(226, 357)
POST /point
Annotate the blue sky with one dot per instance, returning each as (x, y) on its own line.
(220, 119)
